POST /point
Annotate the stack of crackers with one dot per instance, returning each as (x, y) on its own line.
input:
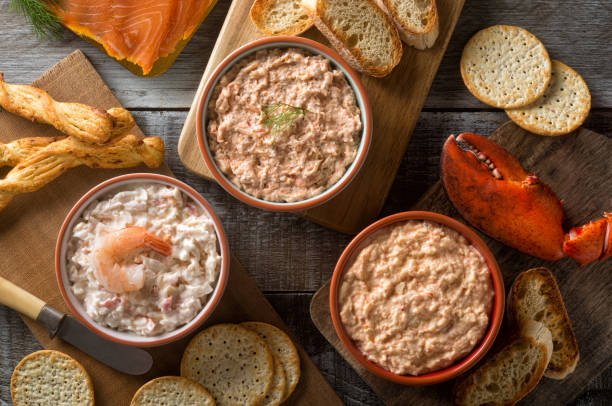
(252, 363)
(508, 67)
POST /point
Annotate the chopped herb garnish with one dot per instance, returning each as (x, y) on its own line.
(279, 117)
(45, 23)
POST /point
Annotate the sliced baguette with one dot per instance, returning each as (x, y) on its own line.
(361, 32)
(511, 373)
(534, 295)
(280, 17)
(416, 20)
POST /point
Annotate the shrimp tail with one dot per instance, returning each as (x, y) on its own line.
(157, 244)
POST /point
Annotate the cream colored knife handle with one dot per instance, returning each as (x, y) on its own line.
(18, 299)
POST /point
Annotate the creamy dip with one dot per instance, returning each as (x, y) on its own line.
(416, 297)
(176, 287)
(317, 131)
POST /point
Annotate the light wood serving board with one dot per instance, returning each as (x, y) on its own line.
(29, 228)
(396, 103)
(579, 170)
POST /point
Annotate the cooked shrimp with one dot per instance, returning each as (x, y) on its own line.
(114, 257)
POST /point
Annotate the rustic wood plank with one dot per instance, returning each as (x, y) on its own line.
(575, 32)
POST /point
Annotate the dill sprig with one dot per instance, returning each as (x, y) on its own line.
(40, 14)
(279, 117)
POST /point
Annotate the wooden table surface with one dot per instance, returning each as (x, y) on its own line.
(288, 256)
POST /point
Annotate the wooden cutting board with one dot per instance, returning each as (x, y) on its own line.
(396, 103)
(579, 170)
(28, 231)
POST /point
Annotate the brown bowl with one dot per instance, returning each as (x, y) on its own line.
(126, 337)
(316, 49)
(458, 367)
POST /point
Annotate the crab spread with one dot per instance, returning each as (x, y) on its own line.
(416, 297)
(284, 125)
(143, 259)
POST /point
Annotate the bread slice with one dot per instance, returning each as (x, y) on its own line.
(280, 17)
(534, 295)
(416, 20)
(361, 32)
(510, 374)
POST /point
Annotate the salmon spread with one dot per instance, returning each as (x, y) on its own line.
(284, 125)
(143, 259)
(416, 297)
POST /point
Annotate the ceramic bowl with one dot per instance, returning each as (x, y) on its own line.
(316, 49)
(77, 308)
(458, 367)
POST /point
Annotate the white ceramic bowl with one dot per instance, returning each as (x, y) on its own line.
(76, 306)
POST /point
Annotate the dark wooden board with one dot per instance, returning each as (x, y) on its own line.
(578, 168)
(28, 231)
(396, 102)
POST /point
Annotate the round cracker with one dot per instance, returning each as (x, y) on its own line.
(505, 66)
(172, 391)
(51, 378)
(233, 363)
(562, 108)
(276, 394)
(282, 346)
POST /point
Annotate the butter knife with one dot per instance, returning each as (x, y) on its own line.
(123, 358)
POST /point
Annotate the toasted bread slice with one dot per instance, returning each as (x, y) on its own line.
(534, 295)
(280, 17)
(511, 373)
(361, 32)
(416, 20)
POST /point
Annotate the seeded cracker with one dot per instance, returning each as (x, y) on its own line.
(233, 363)
(51, 378)
(282, 346)
(562, 108)
(505, 66)
(172, 391)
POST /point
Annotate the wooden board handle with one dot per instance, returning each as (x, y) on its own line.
(20, 300)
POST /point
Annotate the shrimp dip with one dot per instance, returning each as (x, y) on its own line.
(143, 259)
(284, 125)
(416, 297)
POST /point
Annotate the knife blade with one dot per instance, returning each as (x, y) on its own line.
(123, 358)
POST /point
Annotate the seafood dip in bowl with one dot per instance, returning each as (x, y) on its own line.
(417, 298)
(142, 259)
(284, 124)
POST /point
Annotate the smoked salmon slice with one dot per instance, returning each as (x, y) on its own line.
(189, 14)
(139, 31)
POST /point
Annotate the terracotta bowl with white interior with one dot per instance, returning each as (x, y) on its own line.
(314, 48)
(77, 308)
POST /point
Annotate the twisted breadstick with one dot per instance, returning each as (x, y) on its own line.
(78, 120)
(20, 150)
(53, 160)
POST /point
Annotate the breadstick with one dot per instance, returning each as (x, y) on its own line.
(53, 160)
(78, 120)
(20, 150)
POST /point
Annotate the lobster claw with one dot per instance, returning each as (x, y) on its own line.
(493, 192)
(591, 241)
